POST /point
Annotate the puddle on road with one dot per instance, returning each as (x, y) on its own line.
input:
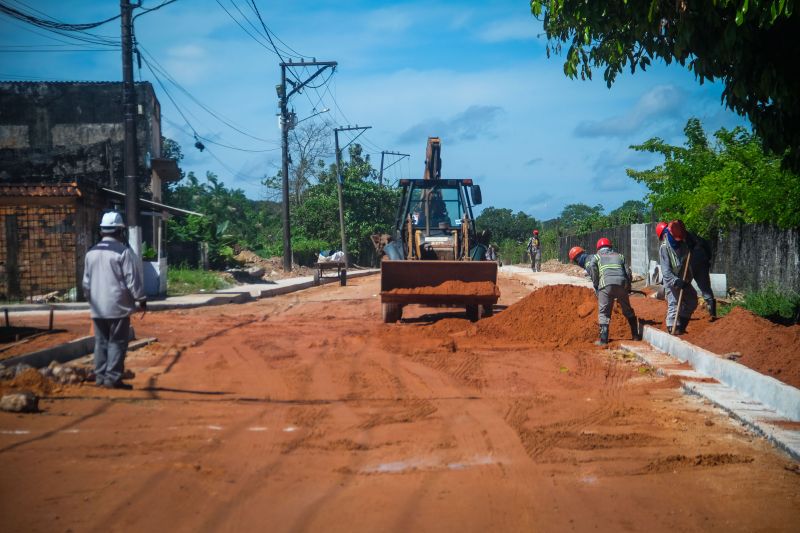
(398, 467)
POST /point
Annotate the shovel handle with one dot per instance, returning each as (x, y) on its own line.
(680, 294)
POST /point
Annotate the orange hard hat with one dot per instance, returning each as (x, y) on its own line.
(660, 229)
(574, 252)
(536, 232)
(602, 242)
(677, 230)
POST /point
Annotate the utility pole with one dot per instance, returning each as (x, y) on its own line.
(340, 181)
(385, 153)
(287, 123)
(130, 163)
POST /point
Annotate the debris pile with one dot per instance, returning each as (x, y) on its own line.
(554, 265)
(558, 315)
(267, 268)
(766, 347)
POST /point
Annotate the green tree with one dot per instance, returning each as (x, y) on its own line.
(713, 185)
(630, 212)
(506, 225)
(750, 45)
(578, 216)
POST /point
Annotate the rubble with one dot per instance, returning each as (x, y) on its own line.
(20, 402)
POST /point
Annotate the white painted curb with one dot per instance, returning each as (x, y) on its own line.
(783, 398)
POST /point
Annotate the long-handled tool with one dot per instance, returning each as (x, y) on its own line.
(680, 294)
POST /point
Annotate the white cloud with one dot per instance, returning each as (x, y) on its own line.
(656, 105)
(516, 29)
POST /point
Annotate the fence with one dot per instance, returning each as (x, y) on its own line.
(752, 256)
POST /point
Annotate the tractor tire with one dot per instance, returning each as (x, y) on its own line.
(488, 310)
(391, 312)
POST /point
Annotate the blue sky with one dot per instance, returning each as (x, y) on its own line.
(473, 73)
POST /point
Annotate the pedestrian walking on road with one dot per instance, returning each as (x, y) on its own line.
(612, 282)
(700, 265)
(535, 251)
(112, 283)
(674, 263)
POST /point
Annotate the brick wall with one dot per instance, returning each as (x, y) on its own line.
(37, 254)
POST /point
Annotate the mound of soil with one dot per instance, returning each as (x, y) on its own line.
(554, 265)
(30, 380)
(558, 315)
(766, 347)
(454, 287)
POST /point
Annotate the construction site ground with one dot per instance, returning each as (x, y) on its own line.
(304, 412)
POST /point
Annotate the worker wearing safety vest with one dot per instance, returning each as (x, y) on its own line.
(612, 281)
(672, 256)
(535, 251)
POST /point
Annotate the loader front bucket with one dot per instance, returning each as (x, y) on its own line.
(469, 284)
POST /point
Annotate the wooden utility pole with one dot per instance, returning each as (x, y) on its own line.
(287, 122)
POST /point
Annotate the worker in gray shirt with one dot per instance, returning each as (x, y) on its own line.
(112, 283)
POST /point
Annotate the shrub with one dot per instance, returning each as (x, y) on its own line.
(771, 303)
(181, 280)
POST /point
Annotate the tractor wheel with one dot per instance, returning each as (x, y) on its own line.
(474, 312)
(391, 312)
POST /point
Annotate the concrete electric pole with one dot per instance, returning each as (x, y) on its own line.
(340, 182)
(129, 109)
(286, 125)
(385, 153)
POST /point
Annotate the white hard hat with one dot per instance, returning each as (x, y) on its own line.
(112, 221)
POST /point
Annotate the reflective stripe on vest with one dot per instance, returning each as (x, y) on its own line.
(674, 261)
(609, 264)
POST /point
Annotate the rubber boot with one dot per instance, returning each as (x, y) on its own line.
(680, 326)
(712, 308)
(603, 340)
(634, 324)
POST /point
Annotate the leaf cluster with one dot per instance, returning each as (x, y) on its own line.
(714, 183)
(749, 45)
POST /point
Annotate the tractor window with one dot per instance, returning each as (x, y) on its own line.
(442, 205)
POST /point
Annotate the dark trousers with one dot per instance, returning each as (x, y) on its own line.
(110, 346)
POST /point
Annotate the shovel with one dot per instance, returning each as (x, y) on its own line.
(680, 294)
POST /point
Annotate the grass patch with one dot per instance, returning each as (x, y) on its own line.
(772, 303)
(190, 281)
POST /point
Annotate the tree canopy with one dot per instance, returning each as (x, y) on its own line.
(713, 184)
(504, 224)
(750, 45)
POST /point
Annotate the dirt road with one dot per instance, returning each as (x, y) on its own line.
(305, 413)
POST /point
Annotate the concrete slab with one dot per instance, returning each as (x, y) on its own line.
(758, 417)
(542, 279)
(775, 394)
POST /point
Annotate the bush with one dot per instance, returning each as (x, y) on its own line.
(304, 251)
(182, 280)
(771, 303)
(512, 252)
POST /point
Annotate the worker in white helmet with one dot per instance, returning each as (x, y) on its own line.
(112, 284)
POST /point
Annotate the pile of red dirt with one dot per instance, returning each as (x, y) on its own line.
(766, 347)
(557, 315)
(454, 287)
(30, 380)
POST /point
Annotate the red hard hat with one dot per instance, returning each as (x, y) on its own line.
(677, 230)
(660, 229)
(574, 252)
(602, 241)
(536, 232)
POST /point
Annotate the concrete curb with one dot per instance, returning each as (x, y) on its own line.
(225, 296)
(759, 418)
(68, 351)
(784, 399)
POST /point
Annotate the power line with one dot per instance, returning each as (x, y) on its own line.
(145, 11)
(51, 23)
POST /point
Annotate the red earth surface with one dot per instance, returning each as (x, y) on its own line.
(305, 412)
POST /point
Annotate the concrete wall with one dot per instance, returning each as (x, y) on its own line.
(56, 131)
(620, 237)
(756, 255)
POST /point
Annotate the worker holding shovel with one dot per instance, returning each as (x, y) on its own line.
(674, 259)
